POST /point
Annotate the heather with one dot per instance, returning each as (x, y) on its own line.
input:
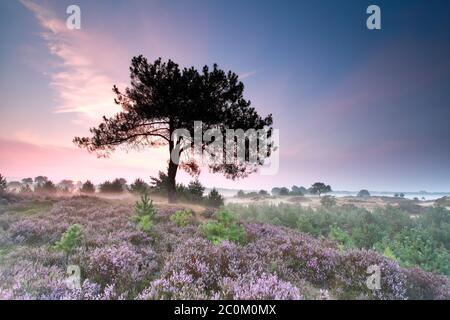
(222, 254)
(412, 240)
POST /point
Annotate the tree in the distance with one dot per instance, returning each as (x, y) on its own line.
(139, 186)
(40, 180)
(163, 98)
(195, 190)
(3, 184)
(364, 193)
(320, 188)
(214, 199)
(87, 187)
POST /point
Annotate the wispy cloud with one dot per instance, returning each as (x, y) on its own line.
(248, 74)
(81, 85)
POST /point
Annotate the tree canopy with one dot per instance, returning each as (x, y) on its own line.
(320, 188)
(163, 98)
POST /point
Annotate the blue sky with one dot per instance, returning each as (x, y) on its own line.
(355, 108)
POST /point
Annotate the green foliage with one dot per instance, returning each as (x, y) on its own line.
(363, 193)
(145, 213)
(139, 186)
(415, 247)
(214, 199)
(341, 237)
(46, 187)
(87, 187)
(319, 188)
(118, 185)
(224, 227)
(328, 201)
(3, 184)
(181, 217)
(387, 230)
(195, 191)
(297, 191)
(70, 239)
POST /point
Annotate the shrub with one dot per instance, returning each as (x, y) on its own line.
(123, 265)
(181, 217)
(426, 285)
(87, 187)
(341, 237)
(252, 286)
(116, 186)
(363, 193)
(46, 187)
(195, 191)
(145, 213)
(214, 199)
(328, 201)
(225, 227)
(139, 186)
(70, 239)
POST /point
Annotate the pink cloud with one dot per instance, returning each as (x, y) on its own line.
(80, 78)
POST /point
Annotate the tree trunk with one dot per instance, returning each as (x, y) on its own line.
(172, 173)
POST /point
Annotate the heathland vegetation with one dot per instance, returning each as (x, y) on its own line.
(135, 248)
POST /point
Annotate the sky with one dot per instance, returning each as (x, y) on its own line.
(355, 108)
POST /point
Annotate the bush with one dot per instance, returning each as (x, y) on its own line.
(195, 191)
(139, 186)
(328, 201)
(363, 193)
(87, 187)
(117, 186)
(47, 187)
(341, 237)
(181, 217)
(70, 239)
(145, 213)
(225, 227)
(214, 199)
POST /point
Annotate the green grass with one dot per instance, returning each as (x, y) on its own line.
(34, 207)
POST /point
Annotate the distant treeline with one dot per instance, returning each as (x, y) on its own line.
(193, 192)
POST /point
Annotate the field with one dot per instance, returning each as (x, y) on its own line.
(190, 252)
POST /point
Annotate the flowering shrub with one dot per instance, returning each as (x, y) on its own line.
(255, 287)
(117, 261)
(122, 265)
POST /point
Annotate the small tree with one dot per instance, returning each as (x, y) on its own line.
(263, 192)
(296, 191)
(116, 186)
(66, 185)
(47, 187)
(145, 213)
(139, 186)
(3, 184)
(195, 191)
(363, 193)
(87, 187)
(215, 199)
(275, 191)
(70, 239)
(40, 180)
(284, 191)
(27, 181)
(240, 194)
(320, 188)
